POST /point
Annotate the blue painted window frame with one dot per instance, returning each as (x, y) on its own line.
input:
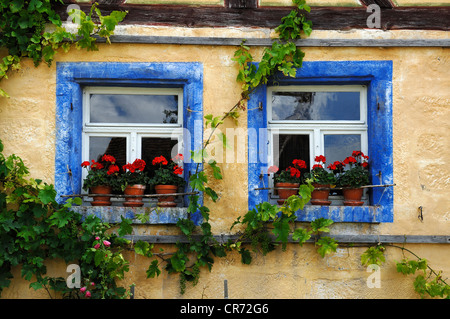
(377, 76)
(71, 77)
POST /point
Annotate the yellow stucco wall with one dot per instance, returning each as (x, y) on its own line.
(421, 112)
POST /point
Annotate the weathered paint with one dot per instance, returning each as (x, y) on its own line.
(114, 214)
(377, 75)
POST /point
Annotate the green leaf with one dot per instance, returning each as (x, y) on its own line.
(216, 170)
(246, 257)
(16, 5)
(301, 235)
(282, 230)
(211, 193)
(36, 285)
(178, 261)
(267, 211)
(208, 119)
(125, 227)
(321, 225)
(198, 180)
(99, 257)
(153, 270)
(187, 226)
(143, 248)
(373, 255)
(47, 195)
(326, 245)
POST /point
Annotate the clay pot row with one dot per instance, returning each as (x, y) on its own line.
(135, 200)
(352, 196)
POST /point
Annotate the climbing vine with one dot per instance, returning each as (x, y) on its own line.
(32, 29)
(34, 227)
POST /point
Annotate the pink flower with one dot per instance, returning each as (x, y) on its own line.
(272, 169)
(106, 243)
(83, 289)
(93, 284)
(88, 294)
(97, 246)
(97, 238)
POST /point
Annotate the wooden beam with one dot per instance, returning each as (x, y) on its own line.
(323, 18)
(241, 4)
(219, 41)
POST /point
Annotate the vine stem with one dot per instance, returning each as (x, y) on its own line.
(244, 97)
(415, 255)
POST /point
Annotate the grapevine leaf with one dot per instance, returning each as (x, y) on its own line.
(326, 246)
(153, 270)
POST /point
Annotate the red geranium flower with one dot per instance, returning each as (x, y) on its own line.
(96, 165)
(108, 158)
(294, 172)
(350, 160)
(178, 170)
(159, 160)
(139, 164)
(128, 167)
(85, 164)
(300, 163)
(317, 166)
(112, 169)
(320, 159)
(357, 153)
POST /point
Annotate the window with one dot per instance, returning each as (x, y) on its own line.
(130, 123)
(306, 121)
(329, 108)
(96, 108)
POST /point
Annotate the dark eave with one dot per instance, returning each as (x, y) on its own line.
(232, 14)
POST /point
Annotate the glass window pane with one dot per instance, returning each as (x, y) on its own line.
(315, 106)
(339, 146)
(115, 146)
(290, 147)
(133, 108)
(155, 146)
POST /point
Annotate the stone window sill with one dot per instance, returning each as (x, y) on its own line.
(361, 214)
(112, 214)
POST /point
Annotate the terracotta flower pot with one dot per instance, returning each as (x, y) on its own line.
(166, 201)
(286, 193)
(320, 196)
(100, 200)
(134, 201)
(352, 196)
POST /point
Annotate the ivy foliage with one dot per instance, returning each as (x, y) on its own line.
(428, 282)
(35, 228)
(32, 29)
(283, 56)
